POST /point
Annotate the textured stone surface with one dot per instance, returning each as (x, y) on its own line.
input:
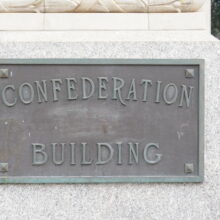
(125, 201)
(104, 36)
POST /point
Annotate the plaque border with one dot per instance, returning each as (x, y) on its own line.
(120, 179)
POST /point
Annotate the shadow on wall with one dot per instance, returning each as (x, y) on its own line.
(216, 18)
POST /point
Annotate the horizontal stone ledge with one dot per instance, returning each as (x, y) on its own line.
(180, 21)
(100, 21)
(74, 37)
(100, 6)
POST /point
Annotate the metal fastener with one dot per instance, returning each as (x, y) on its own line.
(4, 73)
(3, 167)
(189, 168)
(189, 73)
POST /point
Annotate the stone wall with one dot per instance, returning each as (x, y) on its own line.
(125, 201)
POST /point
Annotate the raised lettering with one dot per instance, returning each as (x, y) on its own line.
(157, 100)
(26, 93)
(118, 84)
(39, 155)
(72, 154)
(87, 81)
(103, 153)
(170, 93)
(84, 161)
(4, 97)
(119, 145)
(41, 91)
(54, 153)
(56, 88)
(132, 91)
(102, 81)
(145, 82)
(133, 152)
(185, 94)
(71, 88)
(157, 157)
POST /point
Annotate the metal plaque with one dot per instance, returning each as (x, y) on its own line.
(101, 120)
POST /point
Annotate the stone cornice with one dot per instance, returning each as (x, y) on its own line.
(59, 6)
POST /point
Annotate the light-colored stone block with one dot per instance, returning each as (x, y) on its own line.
(105, 36)
(124, 201)
(96, 21)
(207, 9)
(104, 22)
(180, 21)
(21, 21)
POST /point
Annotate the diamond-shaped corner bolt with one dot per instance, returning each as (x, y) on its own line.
(189, 73)
(189, 168)
(4, 73)
(3, 167)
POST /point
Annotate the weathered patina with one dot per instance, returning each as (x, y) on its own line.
(101, 120)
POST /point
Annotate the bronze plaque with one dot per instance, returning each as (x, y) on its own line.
(69, 120)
